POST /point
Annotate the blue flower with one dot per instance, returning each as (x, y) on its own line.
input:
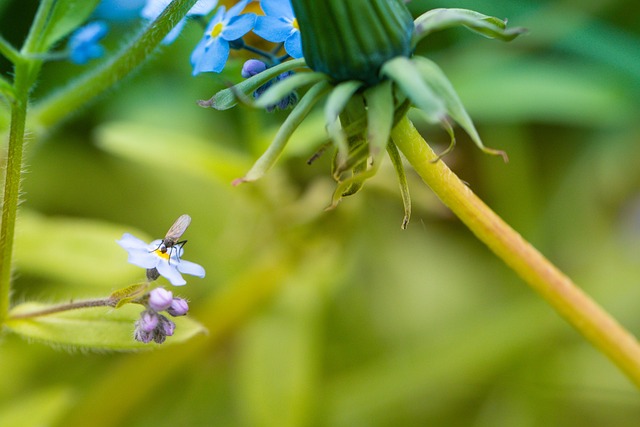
(210, 55)
(119, 10)
(280, 25)
(83, 44)
(154, 8)
(169, 264)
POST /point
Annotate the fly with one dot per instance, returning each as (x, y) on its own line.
(171, 239)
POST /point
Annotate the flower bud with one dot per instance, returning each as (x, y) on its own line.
(148, 321)
(350, 40)
(179, 307)
(160, 299)
(252, 67)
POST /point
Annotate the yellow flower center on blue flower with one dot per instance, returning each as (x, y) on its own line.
(165, 255)
(216, 30)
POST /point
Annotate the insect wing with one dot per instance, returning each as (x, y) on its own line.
(177, 230)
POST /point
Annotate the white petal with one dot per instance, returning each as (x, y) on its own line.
(191, 268)
(128, 241)
(170, 272)
(143, 258)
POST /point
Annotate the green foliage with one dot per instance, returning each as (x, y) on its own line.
(64, 17)
(338, 318)
(94, 328)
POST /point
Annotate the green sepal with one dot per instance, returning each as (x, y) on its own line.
(435, 78)
(380, 110)
(336, 103)
(227, 98)
(404, 73)
(394, 155)
(97, 328)
(130, 293)
(293, 120)
(283, 88)
(440, 19)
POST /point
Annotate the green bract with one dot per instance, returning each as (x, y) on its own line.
(361, 54)
(350, 40)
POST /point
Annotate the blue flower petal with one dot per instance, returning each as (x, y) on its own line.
(202, 7)
(143, 258)
(293, 45)
(210, 56)
(238, 26)
(239, 7)
(191, 268)
(128, 241)
(277, 8)
(272, 29)
(83, 43)
(170, 272)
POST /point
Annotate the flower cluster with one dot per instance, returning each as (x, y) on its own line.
(153, 326)
(161, 257)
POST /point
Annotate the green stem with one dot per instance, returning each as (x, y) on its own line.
(102, 302)
(9, 51)
(55, 108)
(13, 170)
(595, 324)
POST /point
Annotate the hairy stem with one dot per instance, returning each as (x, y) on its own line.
(103, 302)
(595, 324)
(61, 104)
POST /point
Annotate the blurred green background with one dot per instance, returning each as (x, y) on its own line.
(340, 318)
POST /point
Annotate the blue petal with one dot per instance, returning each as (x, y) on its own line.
(239, 7)
(202, 7)
(170, 272)
(143, 258)
(128, 241)
(191, 268)
(154, 8)
(272, 29)
(293, 45)
(210, 56)
(174, 33)
(238, 26)
(277, 8)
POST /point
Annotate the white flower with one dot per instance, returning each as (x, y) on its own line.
(169, 264)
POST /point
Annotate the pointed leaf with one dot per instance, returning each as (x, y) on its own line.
(65, 17)
(380, 111)
(228, 98)
(394, 155)
(442, 87)
(336, 103)
(293, 120)
(440, 19)
(406, 76)
(283, 88)
(98, 328)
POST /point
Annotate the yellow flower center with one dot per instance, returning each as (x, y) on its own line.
(295, 24)
(165, 255)
(216, 30)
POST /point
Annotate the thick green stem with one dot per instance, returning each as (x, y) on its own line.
(565, 297)
(13, 170)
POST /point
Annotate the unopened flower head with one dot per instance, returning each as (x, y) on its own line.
(160, 299)
(168, 264)
(179, 307)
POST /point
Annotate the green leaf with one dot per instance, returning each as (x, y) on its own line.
(65, 17)
(293, 120)
(435, 78)
(336, 103)
(172, 151)
(283, 88)
(394, 155)
(97, 328)
(440, 19)
(228, 98)
(406, 76)
(380, 111)
(74, 251)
